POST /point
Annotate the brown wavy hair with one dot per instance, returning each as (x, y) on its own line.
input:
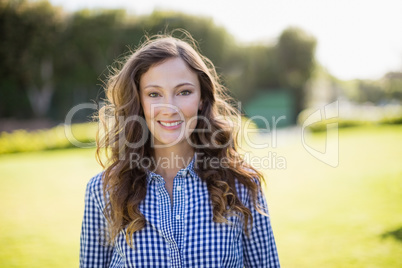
(124, 185)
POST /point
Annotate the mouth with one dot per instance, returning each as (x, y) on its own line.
(170, 123)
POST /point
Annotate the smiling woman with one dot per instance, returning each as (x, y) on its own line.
(174, 192)
(171, 98)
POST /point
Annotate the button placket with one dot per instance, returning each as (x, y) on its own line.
(168, 222)
(178, 207)
(166, 225)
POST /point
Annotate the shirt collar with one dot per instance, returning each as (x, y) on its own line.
(187, 172)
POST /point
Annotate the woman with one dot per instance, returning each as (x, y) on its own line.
(175, 192)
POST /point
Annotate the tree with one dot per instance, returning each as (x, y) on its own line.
(392, 84)
(370, 91)
(295, 60)
(89, 42)
(252, 68)
(29, 34)
(52, 61)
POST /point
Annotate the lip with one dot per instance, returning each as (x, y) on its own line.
(170, 121)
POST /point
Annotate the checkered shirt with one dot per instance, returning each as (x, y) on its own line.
(181, 234)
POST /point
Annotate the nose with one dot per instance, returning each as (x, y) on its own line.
(168, 107)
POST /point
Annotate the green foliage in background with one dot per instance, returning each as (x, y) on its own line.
(379, 91)
(56, 60)
(375, 116)
(59, 137)
(53, 60)
(348, 216)
(28, 44)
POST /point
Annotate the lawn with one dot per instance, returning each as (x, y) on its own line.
(42, 197)
(337, 217)
(322, 216)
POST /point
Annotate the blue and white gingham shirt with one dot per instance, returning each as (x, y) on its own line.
(178, 235)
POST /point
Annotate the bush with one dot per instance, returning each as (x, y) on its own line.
(357, 116)
(54, 138)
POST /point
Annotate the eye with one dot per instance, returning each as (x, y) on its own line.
(153, 94)
(185, 92)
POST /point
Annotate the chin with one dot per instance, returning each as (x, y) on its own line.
(168, 141)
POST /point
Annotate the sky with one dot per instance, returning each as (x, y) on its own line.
(355, 38)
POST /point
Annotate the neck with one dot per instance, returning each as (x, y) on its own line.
(170, 160)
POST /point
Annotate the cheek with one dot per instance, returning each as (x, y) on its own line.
(147, 111)
(146, 106)
(190, 113)
(190, 110)
(150, 116)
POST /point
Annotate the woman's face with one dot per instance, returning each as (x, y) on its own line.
(170, 96)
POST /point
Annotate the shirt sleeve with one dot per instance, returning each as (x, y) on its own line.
(259, 248)
(94, 250)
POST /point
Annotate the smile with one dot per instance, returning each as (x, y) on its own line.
(170, 124)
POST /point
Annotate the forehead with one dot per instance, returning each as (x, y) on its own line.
(169, 73)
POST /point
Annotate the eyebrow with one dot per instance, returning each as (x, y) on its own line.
(179, 85)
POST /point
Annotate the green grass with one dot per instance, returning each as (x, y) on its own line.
(335, 217)
(41, 197)
(322, 216)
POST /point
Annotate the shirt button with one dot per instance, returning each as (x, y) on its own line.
(178, 188)
(177, 217)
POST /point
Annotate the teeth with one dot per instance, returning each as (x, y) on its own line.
(170, 124)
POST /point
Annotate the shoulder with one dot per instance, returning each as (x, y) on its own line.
(243, 192)
(94, 189)
(246, 197)
(95, 183)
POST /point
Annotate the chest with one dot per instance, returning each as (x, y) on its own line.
(182, 233)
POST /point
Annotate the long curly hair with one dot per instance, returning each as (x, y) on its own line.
(125, 186)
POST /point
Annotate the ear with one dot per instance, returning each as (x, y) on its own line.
(200, 106)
